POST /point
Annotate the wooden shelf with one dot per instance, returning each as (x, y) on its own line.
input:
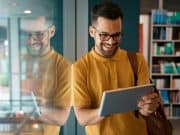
(166, 56)
(158, 40)
(168, 89)
(175, 104)
(171, 40)
(166, 25)
(174, 118)
(164, 74)
(172, 104)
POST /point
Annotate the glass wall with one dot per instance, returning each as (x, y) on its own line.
(4, 66)
(19, 25)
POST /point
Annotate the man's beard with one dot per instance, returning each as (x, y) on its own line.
(36, 49)
(106, 53)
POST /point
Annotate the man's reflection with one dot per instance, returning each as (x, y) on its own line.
(47, 74)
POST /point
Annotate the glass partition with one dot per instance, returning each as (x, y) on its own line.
(30, 90)
(4, 67)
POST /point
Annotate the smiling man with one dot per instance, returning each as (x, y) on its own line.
(107, 67)
(39, 32)
(47, 74)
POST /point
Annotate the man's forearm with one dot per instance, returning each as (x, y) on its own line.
(88, 116)
(55, 116)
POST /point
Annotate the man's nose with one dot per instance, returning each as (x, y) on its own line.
(32, 41)
(111, 40)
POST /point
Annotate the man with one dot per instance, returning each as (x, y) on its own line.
(107, 67)
(47, 74)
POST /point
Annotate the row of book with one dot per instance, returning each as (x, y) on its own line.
(166, 67)
(159, 33)
(165, 17)
(165, 33)
(163, 49)
(28, 129)
(170, 96)
(162, 83)
(167, 111)
(176, 83)
(176, 111)
(6, 127)
(165, 83)
(165, 96)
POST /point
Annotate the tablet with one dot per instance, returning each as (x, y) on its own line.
(36, 107)
(123, 99)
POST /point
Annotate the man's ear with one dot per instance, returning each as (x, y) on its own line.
(92, 31)
(52, 31)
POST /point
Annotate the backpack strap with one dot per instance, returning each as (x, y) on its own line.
(134, 64)
(132, 56)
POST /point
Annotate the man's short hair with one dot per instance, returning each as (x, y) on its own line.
(36, 22)
(107, 10)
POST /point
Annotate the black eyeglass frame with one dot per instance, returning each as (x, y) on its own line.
(38, 35)
(104, 36)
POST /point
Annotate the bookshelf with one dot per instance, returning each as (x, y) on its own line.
(165, 58)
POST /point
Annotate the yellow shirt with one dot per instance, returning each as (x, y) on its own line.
(49, 78)
(93, 74)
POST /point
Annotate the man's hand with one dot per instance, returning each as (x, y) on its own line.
(149, 103)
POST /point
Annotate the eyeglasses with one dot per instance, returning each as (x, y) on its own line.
(38, 36)
(104, 36)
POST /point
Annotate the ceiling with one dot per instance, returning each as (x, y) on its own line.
(147, 5)
(45, 7)
(10, 8)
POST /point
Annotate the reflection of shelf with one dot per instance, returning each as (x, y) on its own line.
(18, 120)
(22, 133)
(19, 125)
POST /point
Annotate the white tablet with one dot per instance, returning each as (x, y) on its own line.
(123, 99)
(36, 107)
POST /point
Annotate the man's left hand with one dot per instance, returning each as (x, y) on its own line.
(149, 103)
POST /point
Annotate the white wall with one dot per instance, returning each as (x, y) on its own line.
(144, 19)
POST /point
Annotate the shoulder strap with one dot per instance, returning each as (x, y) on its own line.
(134, 64)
